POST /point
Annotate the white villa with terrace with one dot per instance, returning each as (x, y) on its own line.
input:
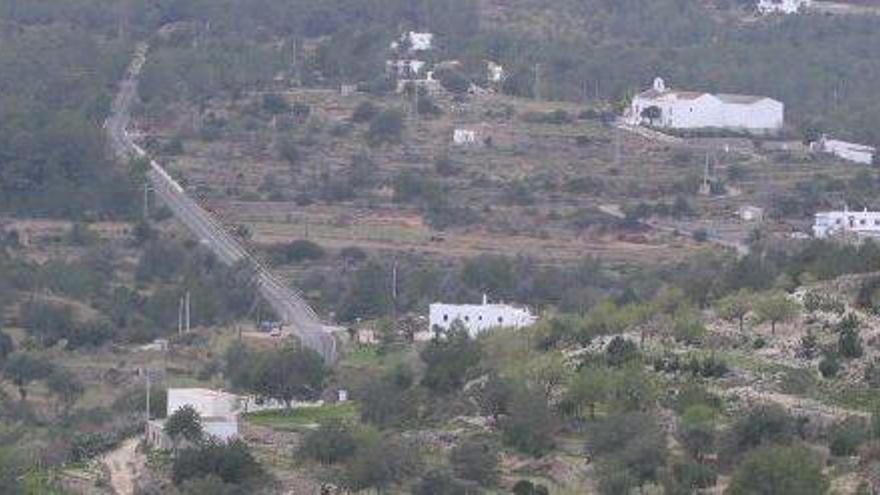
(783, 6)
(860, 223)
(673, 109)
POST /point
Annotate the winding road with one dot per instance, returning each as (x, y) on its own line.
(287, 303)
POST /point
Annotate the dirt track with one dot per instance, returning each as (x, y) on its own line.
(124, 463)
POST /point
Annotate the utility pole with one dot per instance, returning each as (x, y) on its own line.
(180, 317)
(187, 312)
(617, 147)
(394, 293)
(146, 200)
(147, 374)
(538, 82)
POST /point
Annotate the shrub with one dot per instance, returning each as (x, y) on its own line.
(364, 112)
(298, 251)
(693, 476)
(275, 104)
(829, 366)
(386, 128)
(845, 437)
(232, 462)
(330, 443)
(476, 461)
(621, 351)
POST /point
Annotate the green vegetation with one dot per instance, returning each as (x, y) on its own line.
(305, 417)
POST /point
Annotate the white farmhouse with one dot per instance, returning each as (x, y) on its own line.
(853, 152)
(218, 411)
(415, 41)
(749, 213)
(663, 107)
(494, 72)
(783, 6)
(477, 318)
(464, 137)
(405, 68)
(861, 223)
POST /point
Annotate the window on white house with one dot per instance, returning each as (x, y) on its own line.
(500, 320)
(467, 318)
(445, 317)
(863, 222)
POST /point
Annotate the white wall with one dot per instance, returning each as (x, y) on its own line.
(836, 222)
(707, 111)
(849, 151)
(479, 318)
(208, 403)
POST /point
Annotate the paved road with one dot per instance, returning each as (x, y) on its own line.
(289, 304)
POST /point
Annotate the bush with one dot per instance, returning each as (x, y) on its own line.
(694, 476)
(386, 128)
(232, 462)
(526, 487)
(779, 470)
(275, 104)
(829, 366)
(298, 251)
(454, 81)
(330, 443)
(762, 425)
(845, 437)
(364, 112)
(475, 461)
(555, 117)
(531, 425)
(621, 351)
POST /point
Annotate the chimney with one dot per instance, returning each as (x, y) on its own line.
(485, 299)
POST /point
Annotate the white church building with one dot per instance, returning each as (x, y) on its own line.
(860, 223)
(674, 109)
(783, 6)
(477, 318)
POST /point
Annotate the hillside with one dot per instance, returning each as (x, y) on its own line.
(671, 345)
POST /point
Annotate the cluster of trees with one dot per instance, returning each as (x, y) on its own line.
(54, 161)
(286, 374)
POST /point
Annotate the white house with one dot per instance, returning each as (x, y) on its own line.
(429, 84)
(853, 152)
(218, 411)
(861, 223)
(405, 68)
(749, 213)
(494, 72)
(415, 41)
(783, 6)
(463, 137)
(673, 109)
(477, 318)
